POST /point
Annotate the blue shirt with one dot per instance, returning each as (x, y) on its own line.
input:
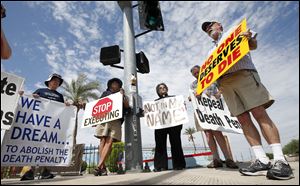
(50, 94)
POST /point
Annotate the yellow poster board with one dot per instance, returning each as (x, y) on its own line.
(229, 51)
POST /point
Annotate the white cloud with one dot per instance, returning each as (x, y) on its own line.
(173, 52)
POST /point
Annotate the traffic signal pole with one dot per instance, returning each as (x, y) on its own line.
(133, 143)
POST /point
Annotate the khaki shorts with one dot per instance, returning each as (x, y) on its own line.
(243, 91)
(111, 129)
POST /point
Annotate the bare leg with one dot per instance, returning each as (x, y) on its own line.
(249, 129)
(105, 152)
(222, 143)
(268, 128)
(212, 144)
(101, 146)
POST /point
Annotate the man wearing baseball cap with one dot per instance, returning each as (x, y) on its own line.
(244, 93)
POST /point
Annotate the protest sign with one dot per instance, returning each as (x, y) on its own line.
(165, 113)
(213, 114)
(103, 110)
(10, 85)
(41, 134)
(229, 51)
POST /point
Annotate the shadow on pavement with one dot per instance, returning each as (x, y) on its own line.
(38, 181)
(151, 180)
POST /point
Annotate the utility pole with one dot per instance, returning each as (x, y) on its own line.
(133, 143)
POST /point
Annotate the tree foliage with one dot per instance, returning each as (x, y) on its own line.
(116, 155)
(292, 147)
(79, 91)
(190, 131)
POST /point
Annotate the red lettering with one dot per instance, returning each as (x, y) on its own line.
(236, 53)
(203, 67)
(102, 106)
(209, 59)
(222, 66)
(202, 84)
(229, 60)
(228, 40)
(221, 47)
(207, 62)
(209, 78)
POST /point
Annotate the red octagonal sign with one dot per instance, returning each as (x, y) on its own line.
(103, 106)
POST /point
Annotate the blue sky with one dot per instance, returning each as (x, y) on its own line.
(66, 37)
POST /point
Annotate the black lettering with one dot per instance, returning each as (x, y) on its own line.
(166, 117)
(9, 116)
(150, 120)
(228, 121)
(232, 45)
(225, 51)
(10, 89)
(239, 39)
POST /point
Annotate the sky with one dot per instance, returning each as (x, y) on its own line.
(66, 38)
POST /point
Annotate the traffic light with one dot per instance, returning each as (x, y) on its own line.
(150, 16)
(110, 55)
(142, 63)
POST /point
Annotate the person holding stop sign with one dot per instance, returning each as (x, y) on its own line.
(111, 131)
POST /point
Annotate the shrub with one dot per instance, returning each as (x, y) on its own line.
(292, 147)
(116, 155)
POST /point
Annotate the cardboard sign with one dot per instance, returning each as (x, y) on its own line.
(229, 51)
(103, 110)
(213, 114)
(41, 134)
(165, 113)
(10, 85)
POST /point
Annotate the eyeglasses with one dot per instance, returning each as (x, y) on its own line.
(162, 87)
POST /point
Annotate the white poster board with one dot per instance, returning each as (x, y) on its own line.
(103, 110)
(212, 113)
(10, 85)
(41, 134)
(165, 113)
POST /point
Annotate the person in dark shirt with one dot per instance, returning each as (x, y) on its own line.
(161, 156)
(52, 83)
(111, 131)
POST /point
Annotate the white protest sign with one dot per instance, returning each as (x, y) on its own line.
(213, 114)
(10, 85)
(41, 135)
(103, 110)
(165, 113)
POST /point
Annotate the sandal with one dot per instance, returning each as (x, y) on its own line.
(103, 172)
(97, 172)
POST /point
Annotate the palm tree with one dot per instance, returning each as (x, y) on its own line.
(190, 131)
(79, 91)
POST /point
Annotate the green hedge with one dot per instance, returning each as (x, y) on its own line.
(116, 154)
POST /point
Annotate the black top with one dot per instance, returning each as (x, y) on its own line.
(107, 93)
(50, 94)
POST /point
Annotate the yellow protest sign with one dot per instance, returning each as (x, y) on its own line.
(229, 51)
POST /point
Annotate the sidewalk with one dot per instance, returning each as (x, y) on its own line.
(192, 176)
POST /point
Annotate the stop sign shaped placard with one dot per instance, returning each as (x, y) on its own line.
(102, 107)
